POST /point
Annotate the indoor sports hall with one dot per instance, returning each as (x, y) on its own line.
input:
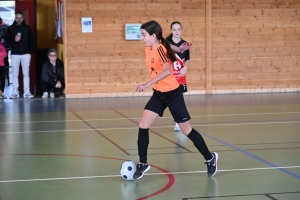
(73, 149)
(243, 82)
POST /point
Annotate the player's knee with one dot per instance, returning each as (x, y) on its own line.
(185, 132)
(185, 128)
(144, 124)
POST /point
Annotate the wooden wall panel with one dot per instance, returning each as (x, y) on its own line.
(256, 45)
(252, 45)
(102, 63)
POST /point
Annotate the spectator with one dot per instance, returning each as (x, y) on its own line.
(3, 54)
(20, 39)
(52, 75)
(3, 28)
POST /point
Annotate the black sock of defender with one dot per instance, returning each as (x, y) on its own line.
(200, 144)
(143, 141)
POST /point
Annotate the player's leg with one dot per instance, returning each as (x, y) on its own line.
(147, 119)
(197, 139)
(181, 116)
(153, 109)
(183, 89)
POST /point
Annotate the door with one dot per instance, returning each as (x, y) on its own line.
(28, 8)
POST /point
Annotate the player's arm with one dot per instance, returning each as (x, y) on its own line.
(175, 48)
(184, 69)
(167, 71)
(183, 47)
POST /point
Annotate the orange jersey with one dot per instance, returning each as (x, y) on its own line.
(154, 61)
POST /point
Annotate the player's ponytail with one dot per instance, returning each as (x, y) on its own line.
(152, 27)
(170, 52)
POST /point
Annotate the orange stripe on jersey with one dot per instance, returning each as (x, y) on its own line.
(162, 54)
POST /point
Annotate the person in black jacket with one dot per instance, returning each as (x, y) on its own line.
(52, 75)
(3, 28)
(20, 39)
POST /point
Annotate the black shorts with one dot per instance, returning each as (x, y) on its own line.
(173, 100)
(183, 88)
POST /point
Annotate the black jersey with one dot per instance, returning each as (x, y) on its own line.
(181, 59)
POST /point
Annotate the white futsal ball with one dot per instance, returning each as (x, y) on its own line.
(127, 170)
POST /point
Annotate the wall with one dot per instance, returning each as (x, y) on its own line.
(255, 45)
(238, 45)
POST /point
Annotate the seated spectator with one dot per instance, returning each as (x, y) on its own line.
(3, 54)
(52, 75)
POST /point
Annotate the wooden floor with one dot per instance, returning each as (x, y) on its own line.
(72, 149)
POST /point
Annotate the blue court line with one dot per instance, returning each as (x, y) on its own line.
(251, 155)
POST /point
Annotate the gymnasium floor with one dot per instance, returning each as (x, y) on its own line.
(72, 149)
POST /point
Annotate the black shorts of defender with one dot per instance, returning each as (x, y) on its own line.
(183, 88)
(173, 100)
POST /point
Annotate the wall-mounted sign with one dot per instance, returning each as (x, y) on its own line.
(87, 24)
(132, 31)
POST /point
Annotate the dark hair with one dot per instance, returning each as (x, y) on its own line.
(169, 38)
(19, 13)
(0, 20)
(51, 51)
(152, 27)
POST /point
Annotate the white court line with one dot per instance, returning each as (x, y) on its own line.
(149, 174)
(133, 118)
(153, 127)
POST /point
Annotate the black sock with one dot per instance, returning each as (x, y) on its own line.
(143, 141)
(200, 144)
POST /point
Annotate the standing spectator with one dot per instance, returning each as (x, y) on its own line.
(20, 39)
(3, 28)
(52, 75)
(3, 31)
(3, 54)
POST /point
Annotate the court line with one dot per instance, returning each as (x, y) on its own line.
(153, 127)
(165, 172)
(135, 118)
(251, 155)
(154, 132)
(242, 195)
(97, 131)
(148, 174)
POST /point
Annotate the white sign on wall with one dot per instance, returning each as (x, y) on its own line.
(87, 24)
(132, 31)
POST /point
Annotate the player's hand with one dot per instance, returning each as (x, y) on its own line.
(141, 88)
(185, 46)
(183, 71)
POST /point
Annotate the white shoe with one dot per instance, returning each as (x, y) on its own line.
(52, 95)
(3, 96)
(27, 94)
(45, 95)
(177, 128)
(15, 94)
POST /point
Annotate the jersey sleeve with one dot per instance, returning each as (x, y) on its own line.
(162, 55)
